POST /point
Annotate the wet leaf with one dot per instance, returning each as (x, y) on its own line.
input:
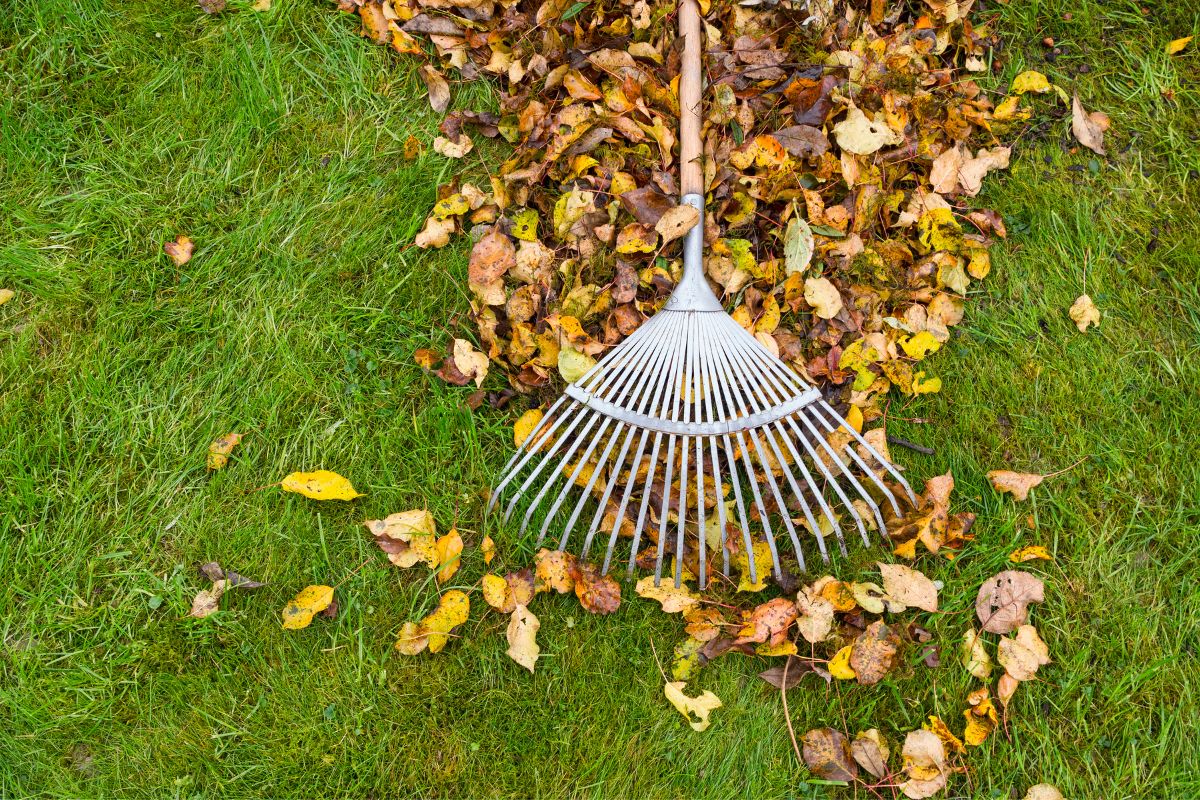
(874, 653)
(1003, 601)
(827, 755)
(320, 485)
(695, 709)
(1175, 46)
(815, 617)
(598, 594)
(672, 600)
(975, 656)
(938, 728)
(470, 362)
(981, 717)
(208, 601)
(488, 548)
(1030, 81)
(553, 571)
(6, 295)
(1088, 129)
(522, 633)
(449, 551)
(768, 622)
(839, 665)
(298, 613)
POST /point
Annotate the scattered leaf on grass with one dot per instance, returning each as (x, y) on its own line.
(827, 755)
(1084, 313)
(407, 537)
(1088, 128)
(1018, 483)
(1033, 552)
(1046, 791)
(299, 611)
(768, 622)
(522, 633)
(451, 612)
(449, 555)
(488, 548)
(553, 571)
(524, 426)
(815, 616)
(981, 717)
(1176, 46)
(871, 752)
(694, 709)
(1003, 601)
(219, 450)
(469, 361)
(940, 729)
(6, 295)
(319, 485)
(208, 601)
(1023, 654)
(181, 249)
(598, 594)
(873, 653)
(438, 88)
(975, 657)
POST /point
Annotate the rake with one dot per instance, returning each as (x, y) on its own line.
(687, 410)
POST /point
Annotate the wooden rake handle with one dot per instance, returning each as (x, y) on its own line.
(691, 149)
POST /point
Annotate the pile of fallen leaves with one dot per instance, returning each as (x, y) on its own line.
(842, 144)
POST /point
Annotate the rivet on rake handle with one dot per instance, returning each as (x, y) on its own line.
(687, 404)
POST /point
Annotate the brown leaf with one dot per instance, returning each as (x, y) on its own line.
(871, 752)
(803, 141)
(676, 222)
(827, 754)
(1086, 128)
(768, 622)
(1003, 601)
(435, 84)
(598, 594)
(796, 668)
(1019, 483)
(212, 6)
(208, 601)
(491, 257)
(874, 653)
(553, 571)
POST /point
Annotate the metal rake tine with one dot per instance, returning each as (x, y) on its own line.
(634, 466)
(678, 382)
(576, 413)
(598, 517)
(887, 465)
(717, 411)
(525, 452)
(566, 457)
(688, 389)
(572, 481)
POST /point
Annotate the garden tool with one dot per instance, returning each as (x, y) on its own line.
(693, 428)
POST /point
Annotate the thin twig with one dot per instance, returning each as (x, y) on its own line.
(920, 448)
(787, 716)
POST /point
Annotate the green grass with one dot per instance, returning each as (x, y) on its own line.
(276, 142)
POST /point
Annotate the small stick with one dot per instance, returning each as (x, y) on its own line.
(920, 448)
(787, 714)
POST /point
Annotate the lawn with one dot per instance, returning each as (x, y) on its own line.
(276, 141)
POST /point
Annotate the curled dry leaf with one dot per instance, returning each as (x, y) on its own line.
(1018, 483)
(208, 601)
(676, 222)
(299, 611)
(1083, 313)
(827, 754)
(694, 709)
(1046, 791)
(320, 485)
(180, 250)
(219, 450)
(1003, 601)
(1088, 128)
(522, 637)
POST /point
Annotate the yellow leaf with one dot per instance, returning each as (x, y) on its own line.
(975, 657)
(854, 418)
(219, 450)
(453, 206)
(407, 537)
(762, 567)
(495, 591)
(573, 365)
(1033, 552)
(768, 321)
(676, 222)
(6, 295)
(1008, 110)
(449, 552)
(522, 632)
(923, 385)
(698, 707)
(1177, 45)
(920, 345)
(943, 732)
(525, 425)
(637, 238)
(1030, 81)
(553, 571)
(450, 613)
(180, 250)
(320, 485)
(298, 613)
(488, 548)
(786, 648)
(981, 717)
(525, 223)
(1084, 313)
(673, 600)
(412, 639)
(839, 665)
(937, 229)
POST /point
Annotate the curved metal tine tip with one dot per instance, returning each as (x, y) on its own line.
(524, 452)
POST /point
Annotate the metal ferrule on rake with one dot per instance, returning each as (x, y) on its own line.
(691, 421)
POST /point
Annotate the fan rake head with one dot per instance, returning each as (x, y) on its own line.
(688, 433)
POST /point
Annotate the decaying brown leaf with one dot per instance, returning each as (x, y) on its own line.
(827, 754)
(219, 450)
(1003, 601)
(1018, 483)
(180, 250)
(1083, 313)
(522, 637)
